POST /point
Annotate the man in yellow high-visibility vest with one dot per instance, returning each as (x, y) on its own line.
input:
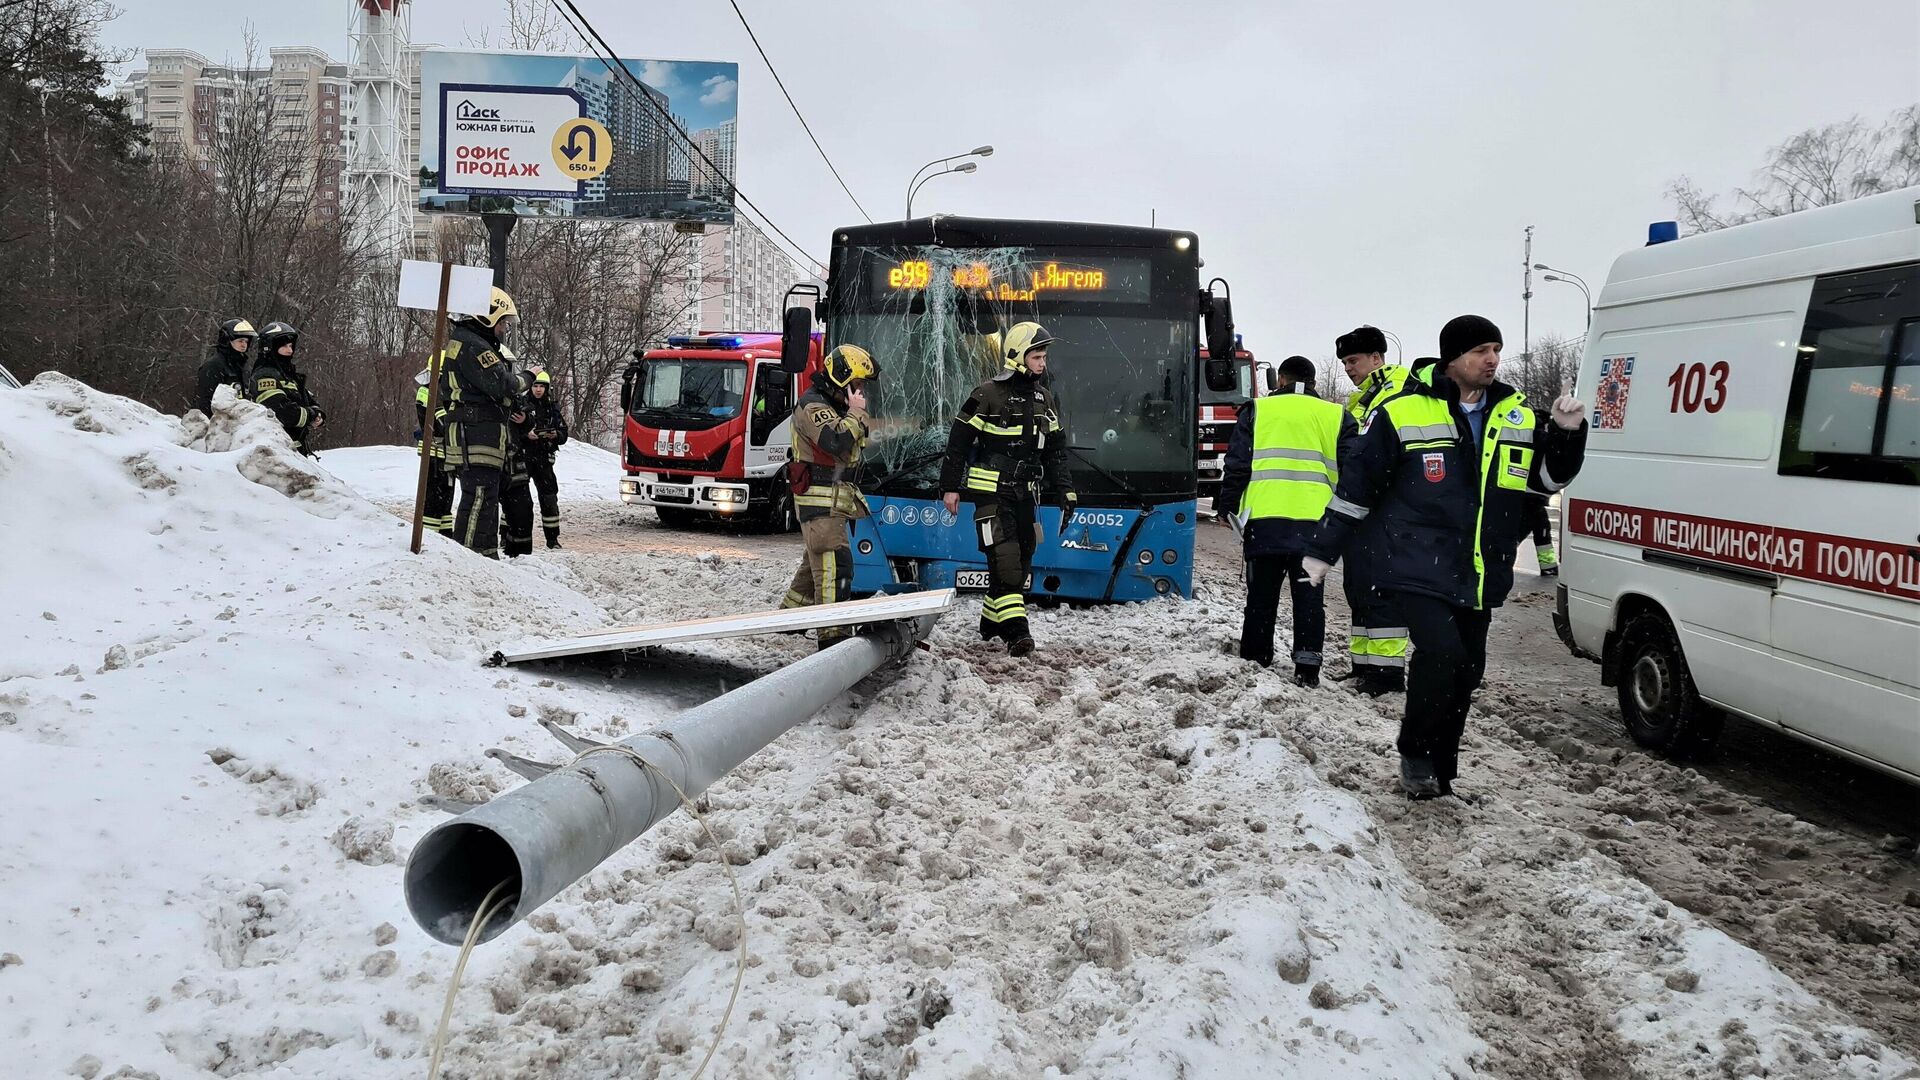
(1282, 465)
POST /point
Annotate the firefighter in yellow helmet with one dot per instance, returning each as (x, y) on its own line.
(829, 430)
(482, 386)
(1007, 447)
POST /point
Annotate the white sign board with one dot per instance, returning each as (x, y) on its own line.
(469, 293)
(501, 140)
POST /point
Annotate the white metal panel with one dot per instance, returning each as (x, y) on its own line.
(874, 609)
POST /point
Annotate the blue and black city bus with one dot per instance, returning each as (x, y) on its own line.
(929, 299)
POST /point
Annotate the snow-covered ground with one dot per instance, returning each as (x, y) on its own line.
(387, 474)
(1140, 857)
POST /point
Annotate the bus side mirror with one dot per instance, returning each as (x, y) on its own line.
(1220, 343)
(796, 329)
(796, 340)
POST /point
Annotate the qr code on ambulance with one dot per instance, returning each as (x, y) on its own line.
(1610, 397)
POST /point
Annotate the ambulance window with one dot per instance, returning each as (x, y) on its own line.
(1854, 411)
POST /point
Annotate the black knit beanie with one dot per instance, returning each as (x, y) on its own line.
(1464, 334)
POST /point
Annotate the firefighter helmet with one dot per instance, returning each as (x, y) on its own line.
(501, 307)
(1021, 340)
(543, 377)
(847, 364)
(276, 334)
(236, 328)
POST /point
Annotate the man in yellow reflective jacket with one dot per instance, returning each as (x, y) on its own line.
(1282, 465)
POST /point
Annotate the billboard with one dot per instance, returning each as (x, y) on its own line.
(572, 136)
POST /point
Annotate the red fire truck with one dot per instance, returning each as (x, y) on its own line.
(1219, 409)
(707, 432)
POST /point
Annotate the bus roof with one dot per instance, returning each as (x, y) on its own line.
(995, 232)
(1874, 231)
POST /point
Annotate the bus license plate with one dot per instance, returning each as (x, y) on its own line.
(970, 580)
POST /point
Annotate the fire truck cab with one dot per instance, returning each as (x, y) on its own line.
(1745, 535)
(1219, 409)
(708, 431)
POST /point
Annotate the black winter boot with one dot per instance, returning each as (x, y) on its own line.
(1306, 675)
(553, 536)
(1020, 646)
(1417, 778)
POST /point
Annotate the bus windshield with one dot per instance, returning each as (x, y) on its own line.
(689, 393)
(1123, 321)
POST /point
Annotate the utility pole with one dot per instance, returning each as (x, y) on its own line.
(1526, 308)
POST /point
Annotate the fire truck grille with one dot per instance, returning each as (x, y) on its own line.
(708, 464)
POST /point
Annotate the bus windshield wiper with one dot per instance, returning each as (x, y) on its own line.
(882, 485)
(1081, 453)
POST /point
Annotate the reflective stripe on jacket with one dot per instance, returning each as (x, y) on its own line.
(827, 443)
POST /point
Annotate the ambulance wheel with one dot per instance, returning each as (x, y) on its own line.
(1658, 701)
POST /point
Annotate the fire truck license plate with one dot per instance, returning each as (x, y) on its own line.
(672, 491)
(970, 580)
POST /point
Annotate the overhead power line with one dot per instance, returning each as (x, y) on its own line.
(603, 52)
(781, 83)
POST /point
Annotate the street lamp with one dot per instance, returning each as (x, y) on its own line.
(1399, 354)
(967, 167)
(1574, 280)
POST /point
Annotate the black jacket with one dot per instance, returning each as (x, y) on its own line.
(1008, 443)
(546, 428)
(1417, 512)
(275, 384)
(480, 385)
(1264, 536)
(222, 365)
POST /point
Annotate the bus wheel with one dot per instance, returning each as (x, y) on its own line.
(1658, 701)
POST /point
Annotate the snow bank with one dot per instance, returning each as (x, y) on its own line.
(225, 687)
(390, 474)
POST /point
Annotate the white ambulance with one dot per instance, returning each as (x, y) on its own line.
(1745, 535)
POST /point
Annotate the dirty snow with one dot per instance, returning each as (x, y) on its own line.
(1140, 857)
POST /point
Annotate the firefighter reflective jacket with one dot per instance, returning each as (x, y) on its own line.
(420, 422)
(1377, 386)
(279, 387)
(1008, 444)
(1441, 516)
(481, 386)
(1282, 464)
(827, 439)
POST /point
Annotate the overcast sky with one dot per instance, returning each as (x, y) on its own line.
(1341, 163)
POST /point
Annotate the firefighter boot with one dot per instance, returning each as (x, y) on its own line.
(1020, 646)
(1307, 675)
(1417, 778)
(553, 536)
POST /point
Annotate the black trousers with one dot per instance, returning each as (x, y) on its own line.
(1265, 573)
(1449, 660)
(516, 512)
(1008, 532)
(548, 488)
(478, 525)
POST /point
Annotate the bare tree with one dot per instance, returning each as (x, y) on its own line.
(532, 25)
(1818, 167)
(1549, 370)
(1330, 380)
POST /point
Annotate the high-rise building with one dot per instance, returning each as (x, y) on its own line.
(302, 100)
(717, 146)
(746, 276)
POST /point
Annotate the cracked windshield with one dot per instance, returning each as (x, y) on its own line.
(691, 393)
(1122, 361)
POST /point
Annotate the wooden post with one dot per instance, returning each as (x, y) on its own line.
(433, 402)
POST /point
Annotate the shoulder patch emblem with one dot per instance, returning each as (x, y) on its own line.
(1435, 466)
(1368, 422)
(1514, 417)
(488, 358)
(820, 414)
